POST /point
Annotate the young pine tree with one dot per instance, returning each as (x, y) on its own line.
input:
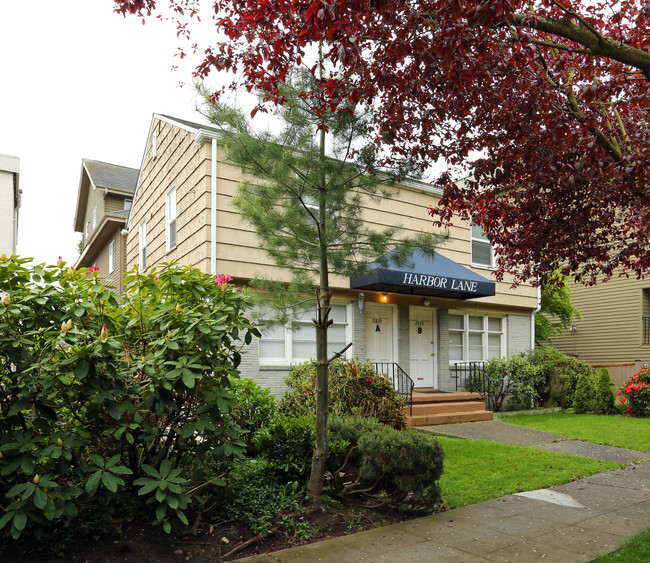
(303, 191)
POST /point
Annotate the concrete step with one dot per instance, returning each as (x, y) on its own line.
(449, 418)
(421, 409)
(419, 397)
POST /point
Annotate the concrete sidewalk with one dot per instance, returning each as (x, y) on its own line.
(573, 522)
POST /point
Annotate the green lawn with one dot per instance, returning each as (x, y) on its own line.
(636, 550)
(476, 470)
(621, 431)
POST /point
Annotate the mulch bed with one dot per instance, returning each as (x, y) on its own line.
(141, 542)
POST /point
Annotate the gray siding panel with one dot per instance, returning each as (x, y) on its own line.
(445, 381)
(518, 334)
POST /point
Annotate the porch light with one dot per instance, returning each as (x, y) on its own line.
(362, 301)
(384, 297)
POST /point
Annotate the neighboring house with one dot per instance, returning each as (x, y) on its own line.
(425, 318)
(103, 204)
(9, 202)
(614, 331)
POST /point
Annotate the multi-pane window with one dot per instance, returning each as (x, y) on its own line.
(142, 239)
(297, 344)
(482, 251)
(475, 338)
(170, 219)
(111, 257)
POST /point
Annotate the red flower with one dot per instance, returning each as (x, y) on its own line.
(623, 400)
(618, 392)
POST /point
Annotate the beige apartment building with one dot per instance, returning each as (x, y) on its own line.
(614, 331)
(425, 318)
(103, 203)
(9, 202)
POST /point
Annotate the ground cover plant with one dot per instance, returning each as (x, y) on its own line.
(619, 431)
(476, 470)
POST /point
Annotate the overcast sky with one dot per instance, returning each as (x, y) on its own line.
(78, 81)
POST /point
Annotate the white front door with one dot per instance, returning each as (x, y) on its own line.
(422, 339)
(379, 334)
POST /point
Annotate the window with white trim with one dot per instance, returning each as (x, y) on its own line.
(170, 219)
(482, 251)
(142, 240)
(282, 345)
(475, 338)
(94, 217)
(111, 257)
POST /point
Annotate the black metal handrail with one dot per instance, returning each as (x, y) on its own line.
(470, 376)
(646, 330)
(402, 382)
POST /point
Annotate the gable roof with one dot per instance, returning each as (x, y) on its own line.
(111, 178)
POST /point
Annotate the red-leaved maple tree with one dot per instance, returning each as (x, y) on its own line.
(543, 105)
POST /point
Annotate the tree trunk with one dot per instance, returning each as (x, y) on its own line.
(317, 475)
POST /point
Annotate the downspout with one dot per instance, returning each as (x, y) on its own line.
(532, 317)
(213, 210)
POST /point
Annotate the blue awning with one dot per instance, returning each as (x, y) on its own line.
(434, 275)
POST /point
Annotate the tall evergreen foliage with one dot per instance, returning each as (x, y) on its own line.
(303, 191)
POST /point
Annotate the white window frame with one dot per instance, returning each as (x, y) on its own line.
(111, 257)
(485, 333)
(288, 357)
(480, 240)
(142, 241)
(94, 217)
(171, 219)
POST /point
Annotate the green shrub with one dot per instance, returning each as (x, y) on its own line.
(514, 378)
(636, 393)
(583, 398)
(254, 408)
(288, 442)
(103, 395)
(395, 468)
(257, 495)
(354, 389)
(604, 401)
(559, 375)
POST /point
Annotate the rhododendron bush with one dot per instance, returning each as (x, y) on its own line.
(114, 397)
(636, 393)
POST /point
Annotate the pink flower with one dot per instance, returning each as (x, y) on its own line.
(221, 279)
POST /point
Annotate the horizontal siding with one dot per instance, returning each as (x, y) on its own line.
(610, 330)
(238, 250)
(113, 203)
(182, 161)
